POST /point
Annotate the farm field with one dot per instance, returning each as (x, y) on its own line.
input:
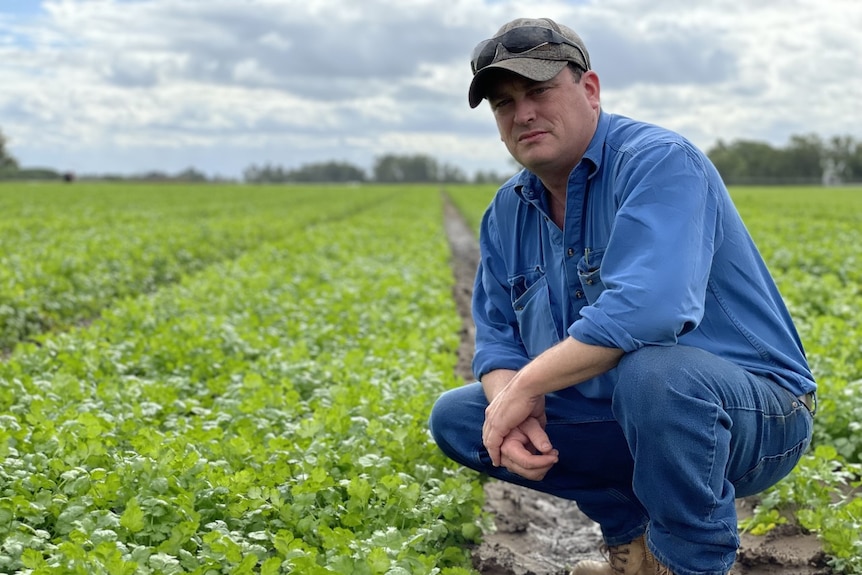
(232, 379)
(260, 410)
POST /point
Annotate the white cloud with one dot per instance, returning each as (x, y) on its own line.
(129, 86)
(276, 41)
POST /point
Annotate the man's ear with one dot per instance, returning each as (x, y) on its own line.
(592, 86)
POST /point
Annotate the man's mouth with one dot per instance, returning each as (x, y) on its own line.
(530, 135)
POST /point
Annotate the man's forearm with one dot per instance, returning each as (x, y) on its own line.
(494, 381)
(568, 363)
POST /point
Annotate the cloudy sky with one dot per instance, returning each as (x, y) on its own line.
(127, 86)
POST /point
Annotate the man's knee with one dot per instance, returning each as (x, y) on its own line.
(456, 416)
(655, 375)
(438, 421)
(645, 373)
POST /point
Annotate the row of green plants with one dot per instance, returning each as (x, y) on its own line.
(67, 252)
(265, 413)
(811, 239)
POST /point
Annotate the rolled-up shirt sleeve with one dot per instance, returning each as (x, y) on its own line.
(656, 264)
(498, 342)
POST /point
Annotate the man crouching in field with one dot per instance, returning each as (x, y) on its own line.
(633, 352)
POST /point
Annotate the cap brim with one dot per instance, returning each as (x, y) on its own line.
(532, 68)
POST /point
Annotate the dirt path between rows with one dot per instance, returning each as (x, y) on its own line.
(538, 534)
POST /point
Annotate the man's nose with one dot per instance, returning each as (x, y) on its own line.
(525, 111)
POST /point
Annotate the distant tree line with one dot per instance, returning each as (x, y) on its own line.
(804, 160)
(186, 175)
(10, 169)
(321, 172)
(390, 168)
(7, 162)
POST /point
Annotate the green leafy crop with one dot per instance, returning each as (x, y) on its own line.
(263, 412)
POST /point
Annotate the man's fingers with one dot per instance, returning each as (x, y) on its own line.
(520, 460)
(526, 460)
(494, 452)
(534, 431)
(527, 473)
(492, 440)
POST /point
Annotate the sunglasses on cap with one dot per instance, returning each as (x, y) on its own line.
(518, 41)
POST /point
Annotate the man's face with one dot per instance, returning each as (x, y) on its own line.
(546, 126)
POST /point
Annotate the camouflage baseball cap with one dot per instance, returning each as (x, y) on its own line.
(536, 48)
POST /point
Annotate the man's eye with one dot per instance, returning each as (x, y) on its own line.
(498, 104)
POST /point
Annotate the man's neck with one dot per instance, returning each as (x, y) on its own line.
(557, 206)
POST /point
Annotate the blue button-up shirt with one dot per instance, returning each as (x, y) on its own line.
(652, 252)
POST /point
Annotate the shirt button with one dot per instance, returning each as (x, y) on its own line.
(579, 294)
(571, 252)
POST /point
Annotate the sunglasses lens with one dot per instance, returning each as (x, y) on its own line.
(515, 41)
(480, 58)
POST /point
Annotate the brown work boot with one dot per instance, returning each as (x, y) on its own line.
(632, 558)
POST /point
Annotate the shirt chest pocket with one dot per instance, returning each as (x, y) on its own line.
(590, 274)
(531, 301)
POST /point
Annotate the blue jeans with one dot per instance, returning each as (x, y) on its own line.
(684, 434)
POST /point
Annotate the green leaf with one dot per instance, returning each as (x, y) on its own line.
(133, 516)
(378, 561)
(271, 566)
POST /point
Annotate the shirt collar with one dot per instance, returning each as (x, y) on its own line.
(597, 144)
(529, 188)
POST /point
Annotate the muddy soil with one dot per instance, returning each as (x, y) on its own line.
(538, 534)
